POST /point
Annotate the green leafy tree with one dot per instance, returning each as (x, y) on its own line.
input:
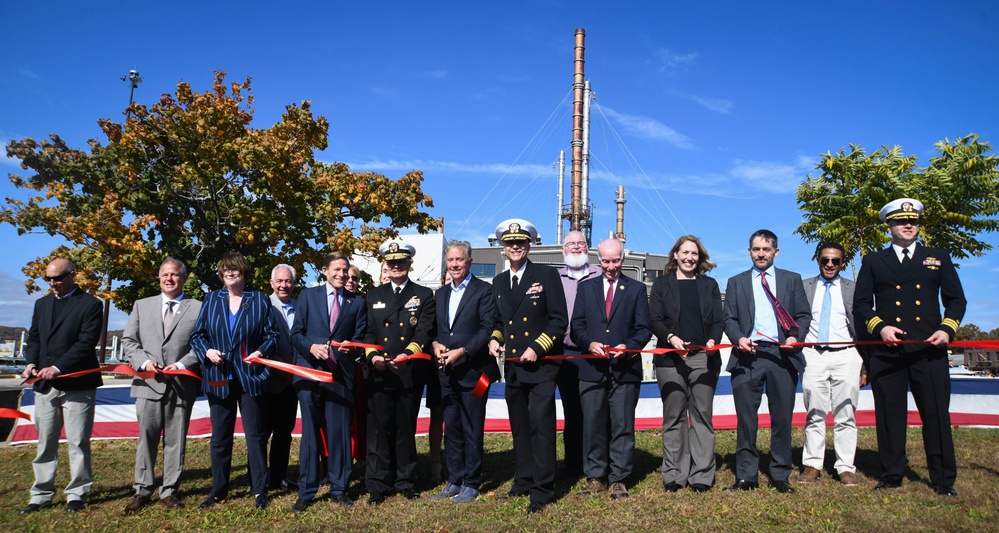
(189, 177)
(959, 189)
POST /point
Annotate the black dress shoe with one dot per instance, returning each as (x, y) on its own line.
(887, 484)
(261, 502)
(672, 486)
(376, 498)
(300, 506)
(945, 490)
(411, 494)
(536, 507)
(32, 507)
(742, 484)
(343, 500)
(283, 486)
(782, 486)
(698, 487)
(75, 506)
(209, 501)
(514, 493)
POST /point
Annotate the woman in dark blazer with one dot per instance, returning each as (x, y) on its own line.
(686, 309)
(235, 323)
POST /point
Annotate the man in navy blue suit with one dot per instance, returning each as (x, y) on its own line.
(611, 313)
(465, 316)
(323, 314)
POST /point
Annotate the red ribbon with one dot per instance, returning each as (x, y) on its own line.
(13, 413)
(126, 369)
(301, 371)
(352, 344)
(402, 358)
(482, 386)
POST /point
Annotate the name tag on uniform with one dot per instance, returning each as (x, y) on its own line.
(378, 305)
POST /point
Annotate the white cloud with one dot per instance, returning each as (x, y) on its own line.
(433, 74)
(648, 128)
(450, 166)
(717, 105)
(28, 73)
(672, 62)
(770, 177)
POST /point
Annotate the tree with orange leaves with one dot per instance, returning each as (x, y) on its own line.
(190, 178)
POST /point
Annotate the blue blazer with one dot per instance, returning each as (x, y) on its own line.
(254, 331)
(473, 323)
(629, 324)
(312, 326)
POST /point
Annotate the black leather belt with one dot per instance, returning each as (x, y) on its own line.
(832, 348)
(766, 344)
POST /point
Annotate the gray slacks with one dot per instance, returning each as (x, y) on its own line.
(171, 416)
(608, 428)
(688, 392)
(54, 410)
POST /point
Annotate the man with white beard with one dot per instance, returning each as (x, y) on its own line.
(576, 255)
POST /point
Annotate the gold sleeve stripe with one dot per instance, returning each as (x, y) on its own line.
(370, 352)
(497, 335)
(873, 323)
(951, 323)
(546, 341)
(414, 347)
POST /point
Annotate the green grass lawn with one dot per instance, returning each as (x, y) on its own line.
(822, 506)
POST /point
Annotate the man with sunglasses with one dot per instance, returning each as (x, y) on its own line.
(898, 290)
(65, 328)
(833, 372)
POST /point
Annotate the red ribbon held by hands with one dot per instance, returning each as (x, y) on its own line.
(301, 371)
(13, 413)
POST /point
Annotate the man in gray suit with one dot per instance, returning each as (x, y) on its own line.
(762, 305)
(833, 375)
(157, 338)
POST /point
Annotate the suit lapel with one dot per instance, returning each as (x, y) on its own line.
(470, 289)
(178, 313)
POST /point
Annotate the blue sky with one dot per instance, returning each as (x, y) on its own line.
(710, 114)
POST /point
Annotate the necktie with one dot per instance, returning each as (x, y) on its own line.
(609, 299)
(824, 317)
(905, 256)
(398, 291)
(784, 319)
(516, 283)
(168, 317)
(334, 311)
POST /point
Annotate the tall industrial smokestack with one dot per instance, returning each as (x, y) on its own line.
(575, 202)
(620, 201)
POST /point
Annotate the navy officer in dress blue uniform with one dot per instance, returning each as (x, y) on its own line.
(401, 319)
(896, 298)
(531, 320)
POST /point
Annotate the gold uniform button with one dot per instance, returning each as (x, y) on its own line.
(511, 322)
(918, 286)
(514, 350)
(385, 339)
(917, 302)
(386, 324)
(898, 287)
(535, 304)
(402, 339)
(917, 319)
(526, 334)
(898, 303)
(525, 319)
(511, 336)
(606, 331)
(898, 319)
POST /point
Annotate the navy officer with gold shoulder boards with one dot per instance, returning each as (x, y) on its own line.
(531, 320)
(401, 319)
(896, 298)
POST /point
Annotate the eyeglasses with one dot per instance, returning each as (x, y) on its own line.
(827, 260)
(60, 277)
(521, 243)
(353, 278)
(575, 244)
(905, 221)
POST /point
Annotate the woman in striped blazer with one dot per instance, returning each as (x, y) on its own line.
(235, 323)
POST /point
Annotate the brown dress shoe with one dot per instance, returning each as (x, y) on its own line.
(848, 478)
(171, 502)
(618, 490)
(138, 502)
(593, 486)
(808, 475)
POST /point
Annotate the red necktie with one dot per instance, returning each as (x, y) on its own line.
(334, 311)
(610, 299)
(784, 319)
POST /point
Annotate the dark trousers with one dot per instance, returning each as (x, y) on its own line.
(279, 421)
(464, 425)
(572, 414)
(608, 428)
(532, 422)
(222, 413)
(769, 369)
(929, 378)
(391, 461)
(335, 410)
